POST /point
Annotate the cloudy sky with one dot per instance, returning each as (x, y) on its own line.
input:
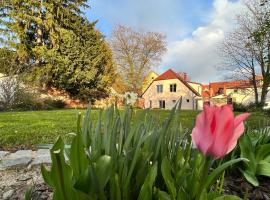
(193, 28)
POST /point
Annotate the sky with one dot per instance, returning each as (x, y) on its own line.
(193, 29)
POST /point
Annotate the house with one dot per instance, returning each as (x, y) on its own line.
(167, 89)
(239, 91)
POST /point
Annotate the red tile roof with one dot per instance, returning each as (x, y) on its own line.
(169, 74)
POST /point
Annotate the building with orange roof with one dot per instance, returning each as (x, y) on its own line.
(167, 90)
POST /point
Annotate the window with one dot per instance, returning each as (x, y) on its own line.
(229, 100)
(174, 101)
(150, 104)
(159, 88)
(235, 90)
(172, 87)
(220, 90)
(188, 100)
(161, 104)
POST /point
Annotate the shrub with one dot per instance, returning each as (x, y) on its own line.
(239, 107)
(53, 104)
(25, 100)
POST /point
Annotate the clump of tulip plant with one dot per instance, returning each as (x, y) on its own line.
(133, 155)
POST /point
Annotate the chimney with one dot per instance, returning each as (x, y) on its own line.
(185, 76)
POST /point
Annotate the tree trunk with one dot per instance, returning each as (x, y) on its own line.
(265, 86)
(254, 83)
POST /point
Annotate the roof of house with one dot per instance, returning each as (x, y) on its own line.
(170, 74)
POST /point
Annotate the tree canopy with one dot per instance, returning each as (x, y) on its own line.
(135, 53)
(57, 46)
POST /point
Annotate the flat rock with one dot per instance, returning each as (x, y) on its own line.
(17, 159)
(3, 154)
(42, 156)
(8, 194)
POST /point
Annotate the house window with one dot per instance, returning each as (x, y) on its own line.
(235, 90)
(174, 101)
(150, 104)
(220, 90)
(229, 100)
(159, 88)
(188, 100)
(172, 87)
(161, 104)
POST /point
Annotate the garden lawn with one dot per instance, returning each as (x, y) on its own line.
(24, 130)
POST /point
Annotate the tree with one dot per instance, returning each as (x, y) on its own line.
(57, 46)
(135, 53)
(246, 50)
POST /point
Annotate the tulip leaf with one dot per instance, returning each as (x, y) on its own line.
(103, 170)
(263, 168)
(228, 197)
(60, 175)
(147, 187)
(250, 176)
(216, 173)
(166, 173)
(78, 158)
(163, 195)
(262, 152)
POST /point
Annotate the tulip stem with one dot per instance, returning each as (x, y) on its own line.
(203, 176)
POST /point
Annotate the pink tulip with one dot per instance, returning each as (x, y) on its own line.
(217, 130)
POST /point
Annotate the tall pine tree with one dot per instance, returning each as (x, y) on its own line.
(56, 45)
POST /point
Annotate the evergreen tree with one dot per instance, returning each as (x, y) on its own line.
(56, 45)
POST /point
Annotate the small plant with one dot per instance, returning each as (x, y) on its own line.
(132, 155)
(255, 146)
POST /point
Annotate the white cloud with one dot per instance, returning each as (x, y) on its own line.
(197, 55)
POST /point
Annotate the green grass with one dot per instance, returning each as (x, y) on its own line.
(20, 130)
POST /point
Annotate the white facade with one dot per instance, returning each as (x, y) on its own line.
(154, 99)
(246, 96)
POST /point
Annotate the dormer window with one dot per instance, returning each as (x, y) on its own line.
(172, 87)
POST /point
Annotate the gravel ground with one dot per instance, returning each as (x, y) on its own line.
(14, 183)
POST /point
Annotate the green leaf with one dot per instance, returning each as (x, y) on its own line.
(78, 159)
(60, 175)
(28, 193)
(263, 168)
(248, 152)
(216, 173)
(228, 197)
(251, 177)
(166, 173)
(147, 187)
(103, 170)
(163, 195)
(262, 152)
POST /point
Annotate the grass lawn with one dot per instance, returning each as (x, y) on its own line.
(19, 130)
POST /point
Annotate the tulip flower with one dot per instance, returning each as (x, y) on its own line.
(217, 130)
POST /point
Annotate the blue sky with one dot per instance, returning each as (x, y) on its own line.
(193, 28)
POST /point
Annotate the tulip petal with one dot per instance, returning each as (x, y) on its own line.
(223, 133)
(201, 134)
(240, 118)
(238, 130)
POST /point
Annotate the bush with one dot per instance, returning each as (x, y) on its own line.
(49, 104)
(25, 100)
(239, 107)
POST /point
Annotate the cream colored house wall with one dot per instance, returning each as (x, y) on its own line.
(245, 96)
(151, 94)
(196, 86)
